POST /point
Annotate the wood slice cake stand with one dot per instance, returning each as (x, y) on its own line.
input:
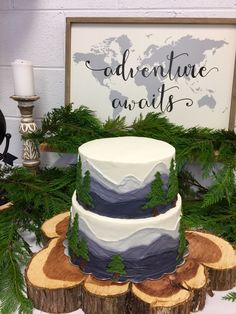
(56, 286)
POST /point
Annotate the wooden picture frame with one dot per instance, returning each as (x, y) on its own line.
(194, 61)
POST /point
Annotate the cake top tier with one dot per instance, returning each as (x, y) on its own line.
(127, 149)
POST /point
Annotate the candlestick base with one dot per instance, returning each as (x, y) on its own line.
(25, 98)
(30, 154)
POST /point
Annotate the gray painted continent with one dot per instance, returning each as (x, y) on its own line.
(208, 101)
(96, 62)
(155, 55)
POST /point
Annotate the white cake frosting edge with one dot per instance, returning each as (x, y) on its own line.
(116, 229)
(115, 169)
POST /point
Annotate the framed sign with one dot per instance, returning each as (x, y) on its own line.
(184, 68)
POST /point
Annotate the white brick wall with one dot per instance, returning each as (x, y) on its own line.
(35, 30)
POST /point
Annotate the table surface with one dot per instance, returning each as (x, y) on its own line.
(214, 305)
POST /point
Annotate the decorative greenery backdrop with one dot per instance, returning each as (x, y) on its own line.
(38, 197)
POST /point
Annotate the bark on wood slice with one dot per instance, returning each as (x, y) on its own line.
(217, 255)
(56, 286)
(105, 296)
(194, 276)
(53, 284)
(160, 297)
(55, 227)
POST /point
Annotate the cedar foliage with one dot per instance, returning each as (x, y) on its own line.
(40, 197)
(230, 297)
(35, 198)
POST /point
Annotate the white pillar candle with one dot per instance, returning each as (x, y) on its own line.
(23, 77)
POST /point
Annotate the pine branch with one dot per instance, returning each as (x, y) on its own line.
(115, 127)
(223, 187)
(35, 198)
(14, 254)
(230, 297)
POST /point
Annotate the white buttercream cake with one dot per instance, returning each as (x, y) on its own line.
(122, 173)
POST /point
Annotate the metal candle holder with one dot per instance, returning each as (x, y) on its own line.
(30, 154)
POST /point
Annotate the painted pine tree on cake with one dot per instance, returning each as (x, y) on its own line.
(83, 252)
(173, 185)
(85, 195)
(72, 235)
(79, 178)
(83, 187)
(116, 266)
(157, 196)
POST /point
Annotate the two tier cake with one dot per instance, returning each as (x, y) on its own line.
(126, 210)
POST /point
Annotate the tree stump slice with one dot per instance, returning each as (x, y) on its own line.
(160, 297)
(55, 227)
(217, 255)
(194, 276)
(55, 285)
(105, 296)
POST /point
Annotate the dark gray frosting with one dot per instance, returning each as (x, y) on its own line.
(141, 262)
(127, 205)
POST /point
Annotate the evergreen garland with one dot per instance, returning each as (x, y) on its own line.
(35, 198)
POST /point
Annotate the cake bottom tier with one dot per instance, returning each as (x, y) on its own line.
(137, 269)
(140, 248)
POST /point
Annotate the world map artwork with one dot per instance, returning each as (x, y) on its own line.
(183, 59)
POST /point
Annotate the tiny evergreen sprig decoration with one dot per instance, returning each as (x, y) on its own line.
(230, 297)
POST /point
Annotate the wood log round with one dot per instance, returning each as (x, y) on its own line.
(160, 297)
(53, 284)
(105, 296)
(194, 276)
(217, 255)
(55, 227)
(57, 286)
